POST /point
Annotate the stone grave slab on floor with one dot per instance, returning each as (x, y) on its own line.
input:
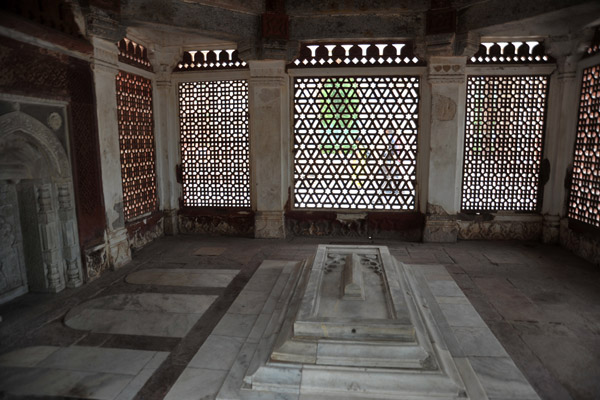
(316, 336)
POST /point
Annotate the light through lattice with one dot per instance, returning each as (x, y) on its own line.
(215, 148)
(355, 142)
(584, 203)
(504, 133)
(136, 140)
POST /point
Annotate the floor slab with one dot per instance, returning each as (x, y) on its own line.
(145, 314)
(183, 277)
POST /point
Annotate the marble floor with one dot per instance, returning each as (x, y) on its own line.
(173, 322)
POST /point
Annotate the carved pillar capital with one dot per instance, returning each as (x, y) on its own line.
(447, 70)
(106, 55)
(267, 72)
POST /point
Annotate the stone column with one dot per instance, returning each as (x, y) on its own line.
(269, 144)
(50, 239)
(446, 75)
(560, 137)
(105, 67)
(166, 134)
(70, 239)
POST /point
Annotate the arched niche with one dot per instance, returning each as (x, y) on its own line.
(39, 250)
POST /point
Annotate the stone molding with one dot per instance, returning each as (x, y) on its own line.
(106, 55)
(18, 121)
(227, 225)
(269, 225)
(500, 230)
(119, 249)
(447, 70)
(267, 73)
(440, 229)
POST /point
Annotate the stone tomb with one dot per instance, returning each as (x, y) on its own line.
(355, 323)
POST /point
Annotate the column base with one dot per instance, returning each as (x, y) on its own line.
(96, 261)
(119, 251)
(551, 229)
(269, 225)
(440, 229)
(170, 222)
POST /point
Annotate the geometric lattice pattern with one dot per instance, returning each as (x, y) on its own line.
(530, 52)
(215, 143)
(136, 140)
(355, 142)
(355, 55)
(584, 201)
(504, 134)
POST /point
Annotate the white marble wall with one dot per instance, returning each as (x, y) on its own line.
(269, 141)
(105, 65)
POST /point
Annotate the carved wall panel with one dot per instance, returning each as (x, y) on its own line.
(33, 157)
(227, 224)
(500, 230)
(44, 74)
(13, 277)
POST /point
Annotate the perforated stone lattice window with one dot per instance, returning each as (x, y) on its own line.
(136, 140)
(215, 143)
(584, 202)
(355, 142)
(504, 132)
